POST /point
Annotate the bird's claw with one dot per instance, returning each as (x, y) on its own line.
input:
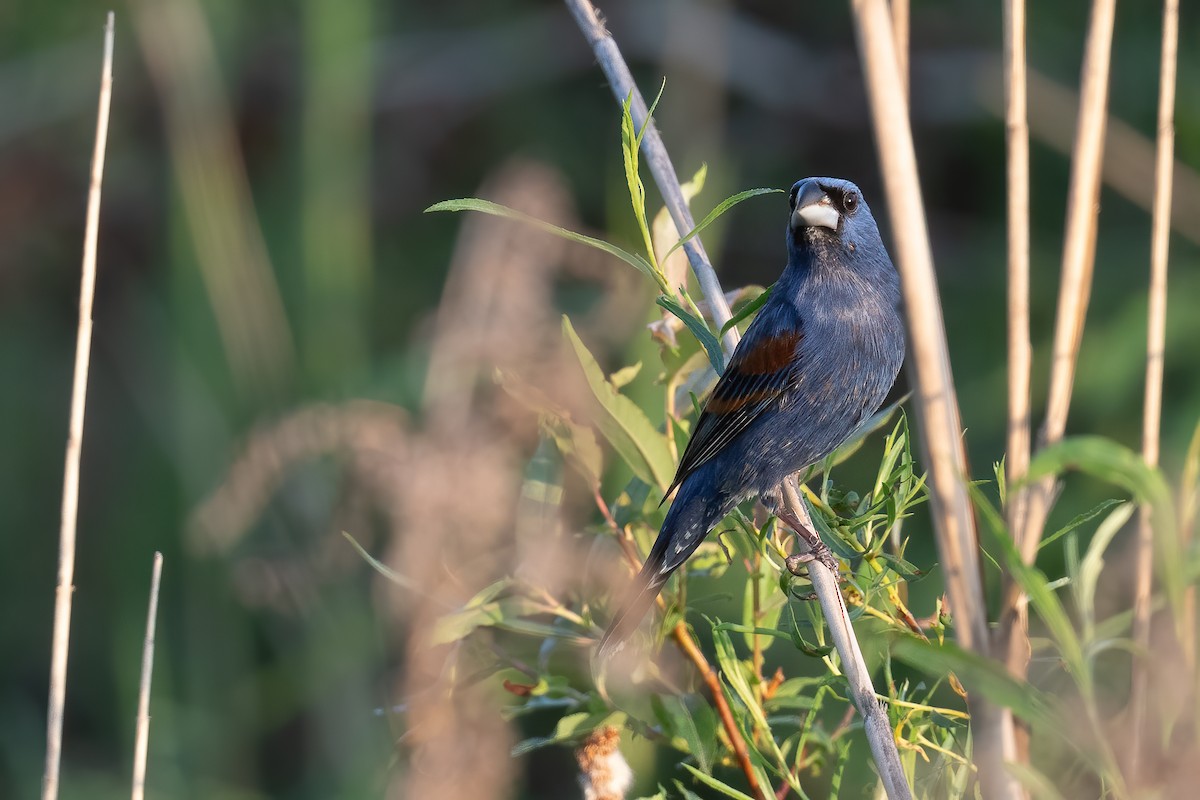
(818, 551)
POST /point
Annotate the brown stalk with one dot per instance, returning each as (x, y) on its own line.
(142, 739)
(1074, 291)
(65, 589)
(1152, 411)
(878, 731)
(934, 395)
(687, 645)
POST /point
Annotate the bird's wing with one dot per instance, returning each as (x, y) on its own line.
(764, 366)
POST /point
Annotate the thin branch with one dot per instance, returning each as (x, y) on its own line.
(874, 714)
(142, 740)
(70, 498)
(1155, 344)
(882, 742)
(655, 152)
(934, 395)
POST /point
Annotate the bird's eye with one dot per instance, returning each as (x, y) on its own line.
(850, 202)
(792, 198)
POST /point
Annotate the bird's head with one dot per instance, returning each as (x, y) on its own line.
(829, 217)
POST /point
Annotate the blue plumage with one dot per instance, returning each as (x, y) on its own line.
(816, 362)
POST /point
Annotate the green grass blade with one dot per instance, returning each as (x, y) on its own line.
(495, 209)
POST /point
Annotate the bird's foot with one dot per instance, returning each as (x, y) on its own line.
(818, 551)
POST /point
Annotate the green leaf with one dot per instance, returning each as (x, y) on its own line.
(699, 329)
(495, 209)
(623, 424)
(1093, 563)
(686, 793)
(624, 376)
(1035, 585)
(630, 142)
(979, 674)
(572, 728)
(380, 567)
(1082, 519)
(748, 309)
(697, 728)
(722, 207)
(1113, 462)
(713, 783)
(1040, 787)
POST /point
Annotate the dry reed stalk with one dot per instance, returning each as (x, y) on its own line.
(70, 497)
(1152, 411)
(142, 739)
(1078, 251)
(934, 395)
(882, 741)
(1074, 291)
(1020, 352)
(900, 27)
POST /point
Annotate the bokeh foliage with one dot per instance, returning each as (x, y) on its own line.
(350, 119)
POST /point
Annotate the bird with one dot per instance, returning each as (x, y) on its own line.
(815, 364)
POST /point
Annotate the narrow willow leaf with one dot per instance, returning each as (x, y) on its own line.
(495, 209)
(750, 308)
(1082, 519)
(1113, 462)
(380, 567)
(722, 207)
(984, 675)
(1035, 585)
(1093, 563)
(571, 728)
(630, 141)
(697, 728)
(625, 376)
(713, 783)
(624, 425)
(699, 329)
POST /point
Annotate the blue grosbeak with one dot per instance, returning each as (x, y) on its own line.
(816, 362)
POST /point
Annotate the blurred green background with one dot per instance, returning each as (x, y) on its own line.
(262, 249)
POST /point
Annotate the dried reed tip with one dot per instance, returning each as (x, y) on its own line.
(604, 775)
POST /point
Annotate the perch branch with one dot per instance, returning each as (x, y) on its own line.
(621, 81)
(1155, 343)
(142, 739)
(882, 741)
(70, 497)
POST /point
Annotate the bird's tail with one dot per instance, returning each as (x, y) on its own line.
(688, 521)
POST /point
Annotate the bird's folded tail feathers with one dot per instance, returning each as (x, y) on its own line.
(649, 583)
(688, 521)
